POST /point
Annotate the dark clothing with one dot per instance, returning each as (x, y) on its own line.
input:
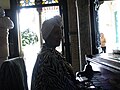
(103, 49)
(52, 72)
(13, 75)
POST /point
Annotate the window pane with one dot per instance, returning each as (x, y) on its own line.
(27, 2)
(49, 1)
(48, 12)
(32, 2)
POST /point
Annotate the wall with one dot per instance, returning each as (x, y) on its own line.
(84, 29)
(72, 19)
(5, 4)
(80, 37)
(13, 34)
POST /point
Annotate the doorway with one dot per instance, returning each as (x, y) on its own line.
(109, 19)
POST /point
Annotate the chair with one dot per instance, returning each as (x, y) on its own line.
(13, 75)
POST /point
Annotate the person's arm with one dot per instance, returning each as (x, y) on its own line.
(104, 40)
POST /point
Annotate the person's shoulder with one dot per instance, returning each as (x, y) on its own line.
(6, 17)
(45, 53)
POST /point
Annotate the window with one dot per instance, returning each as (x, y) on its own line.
(49, 1)
(26, 3)
(23, 3)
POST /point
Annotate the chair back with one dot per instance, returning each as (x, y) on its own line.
(13, 75)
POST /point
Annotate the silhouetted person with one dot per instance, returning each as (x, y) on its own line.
(51, 71)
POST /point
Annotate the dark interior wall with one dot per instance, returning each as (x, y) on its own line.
(66, 42)
(73, 34)
(84, 31)
(13, 33)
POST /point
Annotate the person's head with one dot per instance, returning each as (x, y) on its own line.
(2, 12)
(101, 35)
(52, 32)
